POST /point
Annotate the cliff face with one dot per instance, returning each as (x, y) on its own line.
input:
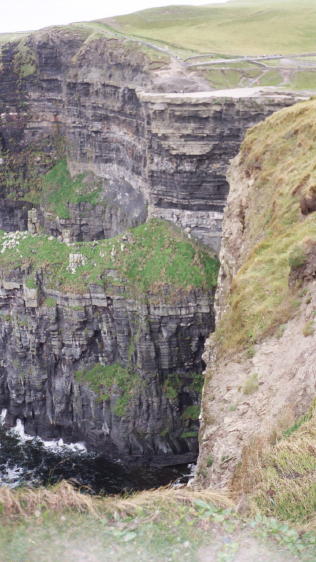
(64, 95)
(102, 341)
(261, 374)
(156, 350)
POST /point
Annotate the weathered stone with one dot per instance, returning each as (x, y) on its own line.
(42, 348)
(156, 154)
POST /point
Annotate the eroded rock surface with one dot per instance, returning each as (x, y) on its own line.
(97, 102)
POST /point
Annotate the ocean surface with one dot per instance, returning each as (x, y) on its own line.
(30, 461)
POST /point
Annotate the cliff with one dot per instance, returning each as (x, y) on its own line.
(94, 347)
(261, 376)
(105, 307)
(133, 150)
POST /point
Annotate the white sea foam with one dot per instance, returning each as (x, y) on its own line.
(11, 476)
(3, 415)
(56, 445)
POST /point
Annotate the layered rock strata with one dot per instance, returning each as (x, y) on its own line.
(92, 144)
(64, 95)
(88, 354)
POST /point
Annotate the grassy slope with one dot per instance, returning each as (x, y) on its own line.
(150, 257)
(287, 487)
(249, 26)
(279, 154)
(7, 37)
(57, 189)
(255, 26)
(236, 28)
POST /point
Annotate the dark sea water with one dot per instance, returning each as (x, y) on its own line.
(33, 462)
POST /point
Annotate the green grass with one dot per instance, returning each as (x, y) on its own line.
(173, 384)
(105, 380)
(50, 302)
(58, 189)
(279, 155)
(238, 27)
(25, 59)
(8, 37)
(98, 30)
(304, 80)
(191, 413)
(155, 255)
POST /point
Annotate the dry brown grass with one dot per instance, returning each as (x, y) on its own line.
(280, 478)
(63, 497)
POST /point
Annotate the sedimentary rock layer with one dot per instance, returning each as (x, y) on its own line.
(98, 347)
(157, 154)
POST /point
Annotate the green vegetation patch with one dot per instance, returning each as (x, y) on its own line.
(50, 302)
(25, 59)
(58, 189)
(150, 257)
(252, 27)
(104, 380)
(145, 259)
(279, 155)
(251, 384)
(175, 382)
(304, 80)
(191, 413)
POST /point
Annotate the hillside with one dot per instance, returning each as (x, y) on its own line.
(254, 27)
(168, 37)
(238, 27)
(258, 430)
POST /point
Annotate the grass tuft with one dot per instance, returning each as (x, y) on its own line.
(63, 497)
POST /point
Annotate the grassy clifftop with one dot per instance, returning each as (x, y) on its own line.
(146, 258)
(166, 524)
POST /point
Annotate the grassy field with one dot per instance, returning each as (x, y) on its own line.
(249, 27)
(238, 27)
